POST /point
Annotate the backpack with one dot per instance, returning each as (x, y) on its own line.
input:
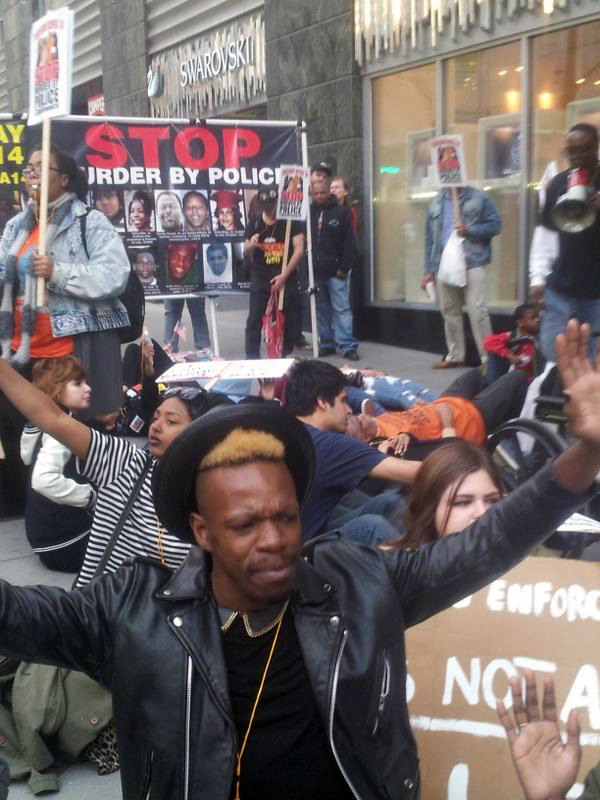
(132, 296)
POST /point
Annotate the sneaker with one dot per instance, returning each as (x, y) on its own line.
(302, 344)
(352, 355)
(326, 351)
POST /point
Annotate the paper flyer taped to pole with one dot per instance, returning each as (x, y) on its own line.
(51, 66)
(292, 198)
(448, 161)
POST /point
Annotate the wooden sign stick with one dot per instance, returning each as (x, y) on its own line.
(286, 247)
(456, 206)
(40, 284)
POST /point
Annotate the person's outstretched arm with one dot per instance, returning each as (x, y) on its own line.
(40, 410)
(546, 768)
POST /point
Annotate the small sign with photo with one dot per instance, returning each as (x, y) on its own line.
(448, 161)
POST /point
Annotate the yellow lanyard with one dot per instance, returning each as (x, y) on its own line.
(238, 767)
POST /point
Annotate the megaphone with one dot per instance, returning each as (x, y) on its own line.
(573, 212)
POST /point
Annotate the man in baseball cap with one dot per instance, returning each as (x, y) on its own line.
(321, 172)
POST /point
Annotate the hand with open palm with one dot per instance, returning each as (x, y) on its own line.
(545, 767)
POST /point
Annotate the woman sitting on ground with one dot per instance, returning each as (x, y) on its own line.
(59, 510)
(455, 485)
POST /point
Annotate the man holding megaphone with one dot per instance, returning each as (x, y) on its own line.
(566, 275)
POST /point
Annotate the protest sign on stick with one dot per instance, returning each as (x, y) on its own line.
(50, 76)
(448, 161)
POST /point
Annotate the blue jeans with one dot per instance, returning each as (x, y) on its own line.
(364, 519)
(173, 311)
(558, 310)
(390, 394)
(333, 311)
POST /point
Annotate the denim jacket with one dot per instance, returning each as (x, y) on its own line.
(482, 220)
(83, 292)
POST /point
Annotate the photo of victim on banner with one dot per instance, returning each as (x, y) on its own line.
(180, 195)
(448, 161)
(50, 69)
(292, 202)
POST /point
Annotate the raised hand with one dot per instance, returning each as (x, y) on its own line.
(545, 767)
(581, 382)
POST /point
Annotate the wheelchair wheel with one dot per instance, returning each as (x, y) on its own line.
(520, 448)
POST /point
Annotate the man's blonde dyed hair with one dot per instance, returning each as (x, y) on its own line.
(241, 446)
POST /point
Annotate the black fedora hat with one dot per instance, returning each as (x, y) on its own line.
(173, 478)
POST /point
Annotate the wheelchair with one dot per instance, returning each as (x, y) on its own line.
(520, 447)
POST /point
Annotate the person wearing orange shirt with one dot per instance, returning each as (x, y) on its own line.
(465, 410)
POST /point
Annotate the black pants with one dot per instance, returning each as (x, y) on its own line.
(67, 559)
(500, 401)
(259, 297)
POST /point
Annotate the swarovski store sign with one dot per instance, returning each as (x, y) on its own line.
(213, 63)
(223, 70)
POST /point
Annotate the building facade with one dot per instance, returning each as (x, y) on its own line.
(374, 80)
(510, 76)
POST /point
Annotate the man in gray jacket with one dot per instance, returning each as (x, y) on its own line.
(252, 671)
(479, 222)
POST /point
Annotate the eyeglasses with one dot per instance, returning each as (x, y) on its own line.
(185, 392)
(36, 171)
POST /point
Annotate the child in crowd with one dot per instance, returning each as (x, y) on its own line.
(59, 510)
(524, 355)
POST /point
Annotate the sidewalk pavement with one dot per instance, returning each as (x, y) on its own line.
(19, 565)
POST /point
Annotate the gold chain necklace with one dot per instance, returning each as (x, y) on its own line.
(252, 633)
(159, 541)
(238, 766)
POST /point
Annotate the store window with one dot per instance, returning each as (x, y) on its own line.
(484, 105)
(565, 90)
(403, 123)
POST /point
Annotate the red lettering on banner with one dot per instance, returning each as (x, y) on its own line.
(103, 139)
(239, 142)
(149, 138)
(181, 146)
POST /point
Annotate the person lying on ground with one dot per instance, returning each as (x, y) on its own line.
(60, 505)
(465, 409)
(516, 348)
(316, 393)
(385, 391)
(251, 621)
(545, 766)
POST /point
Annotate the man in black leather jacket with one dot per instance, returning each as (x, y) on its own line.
(184, 653)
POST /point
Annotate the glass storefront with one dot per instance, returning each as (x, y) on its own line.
(404, 121)
(482, 100)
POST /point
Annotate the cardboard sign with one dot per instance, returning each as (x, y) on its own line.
(543, 615)
(226, 370)
(448, 161)
(292, 200)
(51, 66)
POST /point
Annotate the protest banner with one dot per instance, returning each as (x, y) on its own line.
(179, 194)
(543, 615)
(448, 161)
(12, 157)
